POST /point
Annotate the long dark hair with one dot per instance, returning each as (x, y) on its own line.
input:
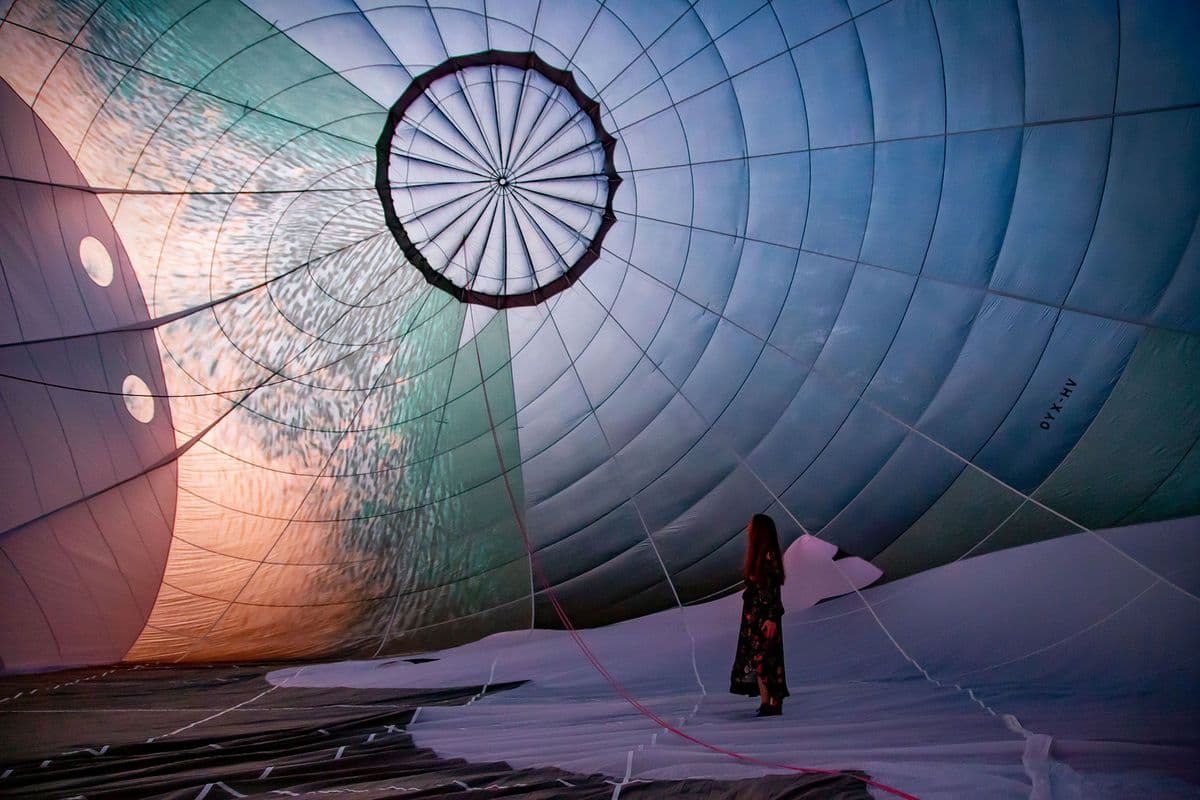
(764, 562)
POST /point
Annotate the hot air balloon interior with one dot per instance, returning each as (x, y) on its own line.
(386, 387)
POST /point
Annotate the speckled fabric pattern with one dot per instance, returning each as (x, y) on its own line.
(756, 654)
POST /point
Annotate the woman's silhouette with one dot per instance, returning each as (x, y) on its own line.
(758, 663)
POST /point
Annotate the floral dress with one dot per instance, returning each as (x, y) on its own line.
(757, 655)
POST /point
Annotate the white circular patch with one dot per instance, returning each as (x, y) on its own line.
(96, 260)
(137, 399)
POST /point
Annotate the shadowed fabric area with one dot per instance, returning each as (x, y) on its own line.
(85, 733)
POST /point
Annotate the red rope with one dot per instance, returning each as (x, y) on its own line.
(595, 662)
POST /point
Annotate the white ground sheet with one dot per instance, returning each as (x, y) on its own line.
(1064, 669)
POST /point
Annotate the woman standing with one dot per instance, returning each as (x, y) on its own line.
(758, 663)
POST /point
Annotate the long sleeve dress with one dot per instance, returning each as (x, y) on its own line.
(757, 655)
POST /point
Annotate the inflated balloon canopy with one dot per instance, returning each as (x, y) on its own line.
(336, 328)
(407, 331)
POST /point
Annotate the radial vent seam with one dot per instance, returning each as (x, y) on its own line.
(496, 177)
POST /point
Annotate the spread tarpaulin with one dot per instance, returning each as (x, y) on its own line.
(370, 329)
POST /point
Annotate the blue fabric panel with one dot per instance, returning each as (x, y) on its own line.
(706, 278)
(1070, 58)
(813, 303)
(1006, 341)
(714, 520)
(537, 361)
(664, 194)
(607, 536)
(587, 315)
(981, 51)
(751, 41)
(465, 32)
(648, 21)
(566, 24)
(639, 96)
(686, 483)
(724, 17)
(933, 332)
(582, 582)
(635, 91)
(801, 432)
(663, 442)
(637, 401)
(598, 363)
(763, 279)
(772, 108)
(682, 339)
(1091, 352)
(1146, 219)
(901, 50)
(722, 203)
(659, 249)
(594, 58)
(779, 200)
(721, 370)
(981, 175)
(508, 29)
(686, 37)
(1178, 307)
(355, 41)
(713, 569)
(859, 7)
(640, 307)
(803, 21)
(836, 94)
(904, 202)
(557, 484)
(1054, 209)
(553, 412)
(768, 390)
(698, 73)
(870, 315)
(911, 481)
(714, 123)
(840, 197)
(410, 34)
(1160, 58)
(853, 457)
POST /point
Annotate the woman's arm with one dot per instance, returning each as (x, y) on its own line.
(767, 601)
(776, 605)
(772, 610)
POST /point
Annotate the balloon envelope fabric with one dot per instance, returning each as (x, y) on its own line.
(368, 328)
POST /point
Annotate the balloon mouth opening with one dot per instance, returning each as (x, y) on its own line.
(497, 178)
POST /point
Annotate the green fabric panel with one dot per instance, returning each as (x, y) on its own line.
(61, 18)
(416, 629)
(123, 29)
(225, 49)
(476, 530)
(1030, 524)
(202, 40)
(971, 508)
(446, 528)
(1143, 432)
(364, 127)
(1179, 495)
(329, 98)
(263, 70)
